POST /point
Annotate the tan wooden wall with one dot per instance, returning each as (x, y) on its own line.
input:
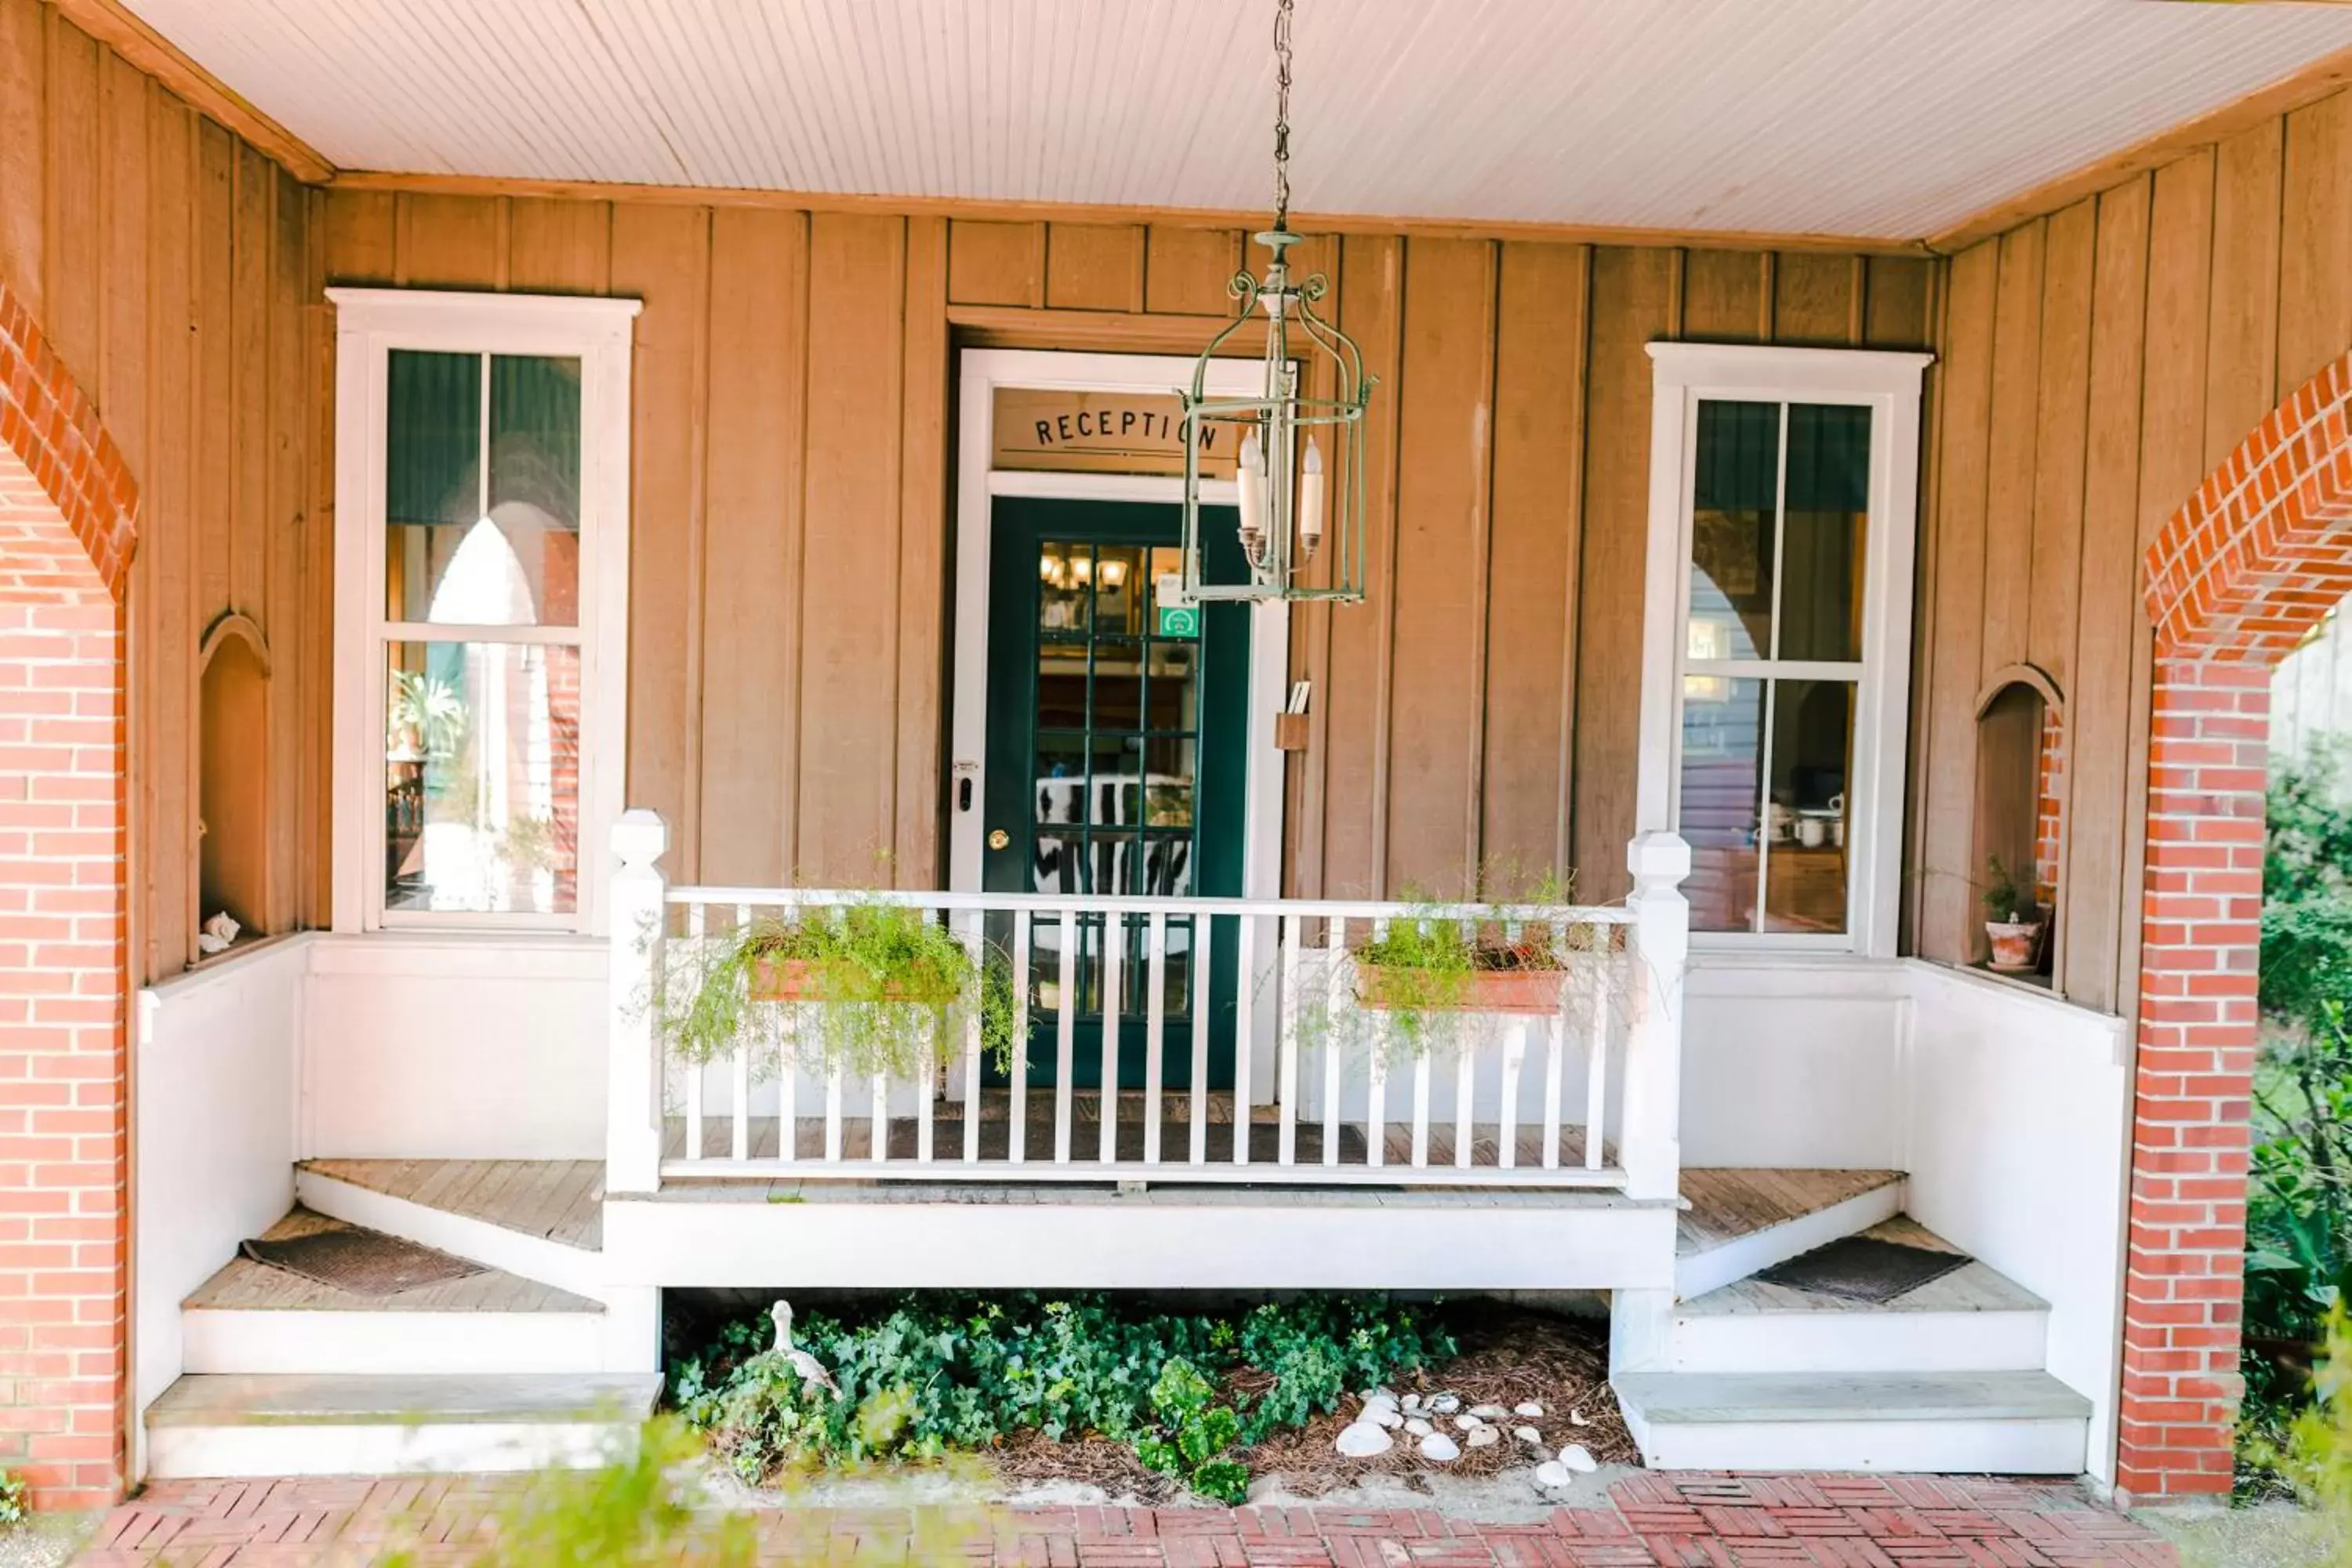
(791, 502)
(2097, 363)
(171, 267)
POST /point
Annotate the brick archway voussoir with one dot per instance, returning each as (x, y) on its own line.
(54, 429)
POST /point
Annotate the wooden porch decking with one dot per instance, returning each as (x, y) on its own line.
(243, 1285)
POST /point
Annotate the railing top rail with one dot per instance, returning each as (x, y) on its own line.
(1073, 904)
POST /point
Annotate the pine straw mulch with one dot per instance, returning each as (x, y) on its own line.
(1509, 1355)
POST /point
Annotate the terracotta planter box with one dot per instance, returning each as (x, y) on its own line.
(799, 980)
(1490, 990)
(2016, 944)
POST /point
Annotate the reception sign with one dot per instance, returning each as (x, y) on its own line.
(1099, 433)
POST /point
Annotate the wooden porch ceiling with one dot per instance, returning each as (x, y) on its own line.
(1822, 121)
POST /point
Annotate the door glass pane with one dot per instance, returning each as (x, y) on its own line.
(1168, 781)
(1812, 741)
(481, 777)
(1122, 590)
(1723, 732)
(1828, 515)
(1732, 530)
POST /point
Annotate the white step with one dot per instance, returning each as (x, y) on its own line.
(1975, 1319)
(2017, 1423)
(294, 1341)
(1696, 1273)
(345, 1425)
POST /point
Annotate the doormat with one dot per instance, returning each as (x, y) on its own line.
(364, 1262)
(1864, 1269)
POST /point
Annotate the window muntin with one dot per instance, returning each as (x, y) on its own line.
(1772, 603)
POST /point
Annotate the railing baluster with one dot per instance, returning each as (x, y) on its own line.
(1106, 1096)
(1016, 1134)
(1155, 1016)
(1285, 1023)
(740, 1088)
(1335, 958)
(880, 1118)
(975, 942)
(1506, 1118)
(697, 929)
(1420, 1092)
(1203, 927)
(1466, 1102)
(1066, 1048)
(833, 1117)
(1245, 982)
(1596, 1071)
(927, 1089)
(1555, 1026)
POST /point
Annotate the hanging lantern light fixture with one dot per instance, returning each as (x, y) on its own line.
(1296, 446)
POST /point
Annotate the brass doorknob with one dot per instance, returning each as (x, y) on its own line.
(998, 838)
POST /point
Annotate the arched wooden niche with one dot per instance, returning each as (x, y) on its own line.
(233, 855)
(2020, 797)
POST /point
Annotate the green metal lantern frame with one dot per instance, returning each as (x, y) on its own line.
(1299, 344)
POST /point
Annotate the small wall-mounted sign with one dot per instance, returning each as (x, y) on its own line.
(1097, 433)
(1180, 620)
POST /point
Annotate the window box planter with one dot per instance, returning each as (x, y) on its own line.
(1388, 988)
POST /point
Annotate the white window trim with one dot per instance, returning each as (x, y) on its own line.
(1889, 384)
(371, 323)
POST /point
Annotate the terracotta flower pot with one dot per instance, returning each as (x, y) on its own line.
(1383, 987)
(2016, 944)
(802, 980)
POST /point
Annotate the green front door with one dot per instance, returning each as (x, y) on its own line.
(1116, 766)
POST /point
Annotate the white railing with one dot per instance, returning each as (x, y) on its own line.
(1322, 1090)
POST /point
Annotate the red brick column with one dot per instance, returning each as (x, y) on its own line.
(66, 539)
(2237, 577)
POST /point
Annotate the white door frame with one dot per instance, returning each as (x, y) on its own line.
(982, 372)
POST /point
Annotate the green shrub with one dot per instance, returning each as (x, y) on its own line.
(964, 1373)
(16, 1498)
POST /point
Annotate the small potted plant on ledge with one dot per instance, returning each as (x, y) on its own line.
(868, 989)
(2013, 923)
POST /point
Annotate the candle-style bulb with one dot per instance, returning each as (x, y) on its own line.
(1310, 502)
(1252, 475)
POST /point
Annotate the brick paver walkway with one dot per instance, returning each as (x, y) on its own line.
(1681, 1520)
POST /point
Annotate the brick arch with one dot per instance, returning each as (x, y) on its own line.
(2234, 581)
(69, 510)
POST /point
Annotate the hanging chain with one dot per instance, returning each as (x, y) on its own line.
(1281, 113)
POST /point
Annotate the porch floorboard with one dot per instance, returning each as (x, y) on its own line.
(1729, 1202)
(246, 1286)
(561, 1200)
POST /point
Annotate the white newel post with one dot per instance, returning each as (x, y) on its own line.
(633, 1098)
(1651, 1139)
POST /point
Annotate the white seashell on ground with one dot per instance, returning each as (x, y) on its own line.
(1484, 1436)
(1382, 1415)
(1530, 1409)
(1446, 1404)
(1552, 1475)
(1526, 1433)
(1468, 1423)
(1437, 1446)
(1489, 1412)
(1577, 1460)
(1417, 1426)
(1361, 1441)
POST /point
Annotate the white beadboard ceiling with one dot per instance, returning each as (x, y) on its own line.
(1891, 119)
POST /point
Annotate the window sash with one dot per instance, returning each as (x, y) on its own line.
(372, 324)
(1887, 382)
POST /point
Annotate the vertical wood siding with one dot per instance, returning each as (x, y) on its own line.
(792, 471)
(173, 270)
(2098, 362)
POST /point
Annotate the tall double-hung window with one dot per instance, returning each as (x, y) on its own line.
(1783, 501)
(482, 528)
